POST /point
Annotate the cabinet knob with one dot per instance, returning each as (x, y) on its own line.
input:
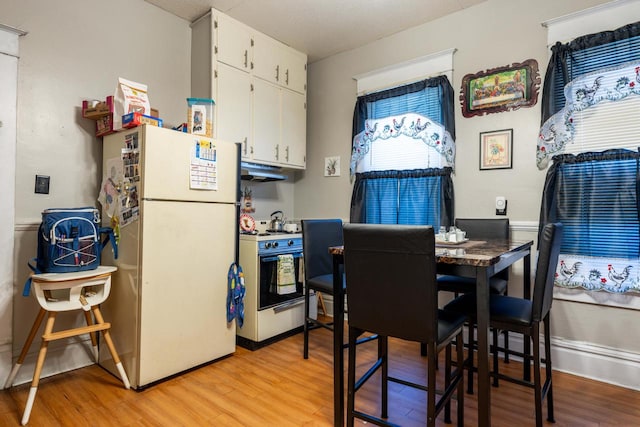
(246, 58)
(286, 156)
(277, 73)
(286, 77)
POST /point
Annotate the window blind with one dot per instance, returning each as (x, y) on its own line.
(597, 203)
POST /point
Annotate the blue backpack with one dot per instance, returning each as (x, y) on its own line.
(69, 240)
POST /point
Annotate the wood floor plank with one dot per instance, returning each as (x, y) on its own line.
(275, 386)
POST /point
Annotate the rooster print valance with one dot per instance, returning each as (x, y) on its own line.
(609, 84)
(407, 141)
(617, 276)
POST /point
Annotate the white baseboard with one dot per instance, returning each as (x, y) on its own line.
(59, 359)
(605, 364)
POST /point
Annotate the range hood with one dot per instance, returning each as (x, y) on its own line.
(260, 173)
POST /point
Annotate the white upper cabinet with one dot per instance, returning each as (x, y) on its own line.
(233, 107)
(294, 128)
(232, 42)
(259, 88)
(277, 63)
(266, 122)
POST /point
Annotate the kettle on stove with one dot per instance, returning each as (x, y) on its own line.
(277, 223)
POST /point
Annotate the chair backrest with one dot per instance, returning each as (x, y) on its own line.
(317, 236)
(486, 228)
(481, 228)
(549, 251)
(391, 280)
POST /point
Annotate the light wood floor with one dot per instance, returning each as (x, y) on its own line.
(274, 386)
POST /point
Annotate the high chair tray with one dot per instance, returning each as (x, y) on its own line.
(59, 277)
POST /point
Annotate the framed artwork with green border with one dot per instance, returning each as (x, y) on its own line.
(500, 89)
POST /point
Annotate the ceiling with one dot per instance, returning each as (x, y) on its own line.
(322, 28)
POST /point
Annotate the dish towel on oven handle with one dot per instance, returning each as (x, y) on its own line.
(286, 281)
(235, 294)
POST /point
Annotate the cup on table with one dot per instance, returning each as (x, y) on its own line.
(460, 235)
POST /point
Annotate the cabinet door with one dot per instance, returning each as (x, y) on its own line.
(294, 128)
(233, 43)
(233, 107)
(267, 54)
(294, 66)
(266, 122)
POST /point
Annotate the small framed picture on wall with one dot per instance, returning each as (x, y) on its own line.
(332, 166)
(496, 149)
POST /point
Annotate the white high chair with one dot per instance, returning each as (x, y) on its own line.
(57, 292)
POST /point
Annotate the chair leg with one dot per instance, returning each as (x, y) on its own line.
(25, 348)
(306, 323)
(432, 357)
(447, 382)
(469, 361)
(383, 353)
(506, 346)
(321, 302)
(495, 357)
(548, 370)
(460, 358)
(536, 373)
(48, 329)
(351, 376)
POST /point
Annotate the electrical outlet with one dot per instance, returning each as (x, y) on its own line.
(501, 205)
(42, 184)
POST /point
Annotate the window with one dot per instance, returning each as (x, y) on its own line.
(402, 155)
(590, 100)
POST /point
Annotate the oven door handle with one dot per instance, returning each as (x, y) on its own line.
(275, 258)
(288, 305)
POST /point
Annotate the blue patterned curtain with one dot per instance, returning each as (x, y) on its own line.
(415, 196)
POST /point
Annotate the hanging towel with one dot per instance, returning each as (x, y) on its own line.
(286, 275)
(235, 294)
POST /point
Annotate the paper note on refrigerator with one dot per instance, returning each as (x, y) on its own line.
(204, 166)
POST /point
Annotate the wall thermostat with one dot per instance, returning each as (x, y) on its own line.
(501, 205)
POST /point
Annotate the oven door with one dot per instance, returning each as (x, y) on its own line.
(269, 295)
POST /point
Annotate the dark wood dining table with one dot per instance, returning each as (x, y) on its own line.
(473, 258)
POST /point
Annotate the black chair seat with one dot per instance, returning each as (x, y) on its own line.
(461, 285)
(449, 322)
(503, 308)
(324, 283)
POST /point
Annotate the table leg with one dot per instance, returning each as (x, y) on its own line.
(338, 354)
(484, 387)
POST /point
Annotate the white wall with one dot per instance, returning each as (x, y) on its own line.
(76, 50)
(492, 34)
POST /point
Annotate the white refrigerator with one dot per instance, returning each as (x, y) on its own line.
(176, 198)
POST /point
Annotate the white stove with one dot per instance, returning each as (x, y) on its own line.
(270, 316)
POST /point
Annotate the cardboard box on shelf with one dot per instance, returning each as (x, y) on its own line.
(94, 109)
(136, 119)
(104, 125)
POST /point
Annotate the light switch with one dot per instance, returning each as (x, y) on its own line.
(42, 184)
(501, 205)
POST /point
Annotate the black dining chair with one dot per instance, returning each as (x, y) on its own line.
(479, 229)
(391, 277)
(317, 236)
(524, 316)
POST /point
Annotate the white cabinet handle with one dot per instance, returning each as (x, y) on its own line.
(277, 73)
